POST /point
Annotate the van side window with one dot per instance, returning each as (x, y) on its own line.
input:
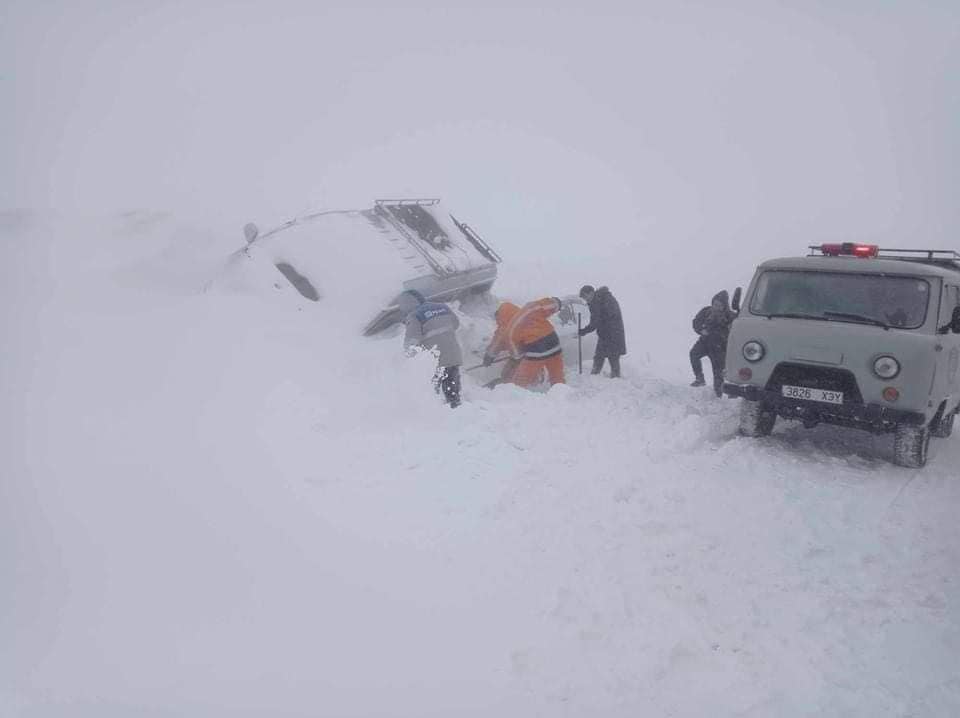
(951, 299)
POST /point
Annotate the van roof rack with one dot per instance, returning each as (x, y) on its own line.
(946, 258)
(921, 255)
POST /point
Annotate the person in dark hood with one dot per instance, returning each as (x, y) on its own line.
(712, 324)
(606, 320)
(433, 326)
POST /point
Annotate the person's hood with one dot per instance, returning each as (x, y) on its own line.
(409, 300)
(505, 313)
(723, 297)
(603, 292)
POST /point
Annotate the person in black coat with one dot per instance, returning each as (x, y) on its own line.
(712, 324)
(606, 320)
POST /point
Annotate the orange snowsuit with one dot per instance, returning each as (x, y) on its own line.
(531, 340)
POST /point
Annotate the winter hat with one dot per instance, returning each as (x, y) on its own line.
(585, 290)
(722, 296)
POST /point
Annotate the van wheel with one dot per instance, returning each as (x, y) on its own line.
(755, 420)
(911, 445)
(944, 428)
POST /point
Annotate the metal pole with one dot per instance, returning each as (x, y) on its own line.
(579, 344)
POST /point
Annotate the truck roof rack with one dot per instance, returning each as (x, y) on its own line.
(947, 258)
(405, 202)
(485, 249)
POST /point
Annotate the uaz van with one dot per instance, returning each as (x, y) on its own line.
(851, 335)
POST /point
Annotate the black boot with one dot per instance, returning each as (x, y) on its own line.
(698, 382)
(450, 384)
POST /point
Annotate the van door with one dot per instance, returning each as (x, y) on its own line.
(943, 382)
(951, 342)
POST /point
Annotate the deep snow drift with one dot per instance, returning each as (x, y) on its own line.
(222, 503)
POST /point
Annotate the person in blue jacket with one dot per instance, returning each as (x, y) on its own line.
(433, 326)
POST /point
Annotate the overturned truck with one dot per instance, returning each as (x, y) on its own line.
(368, 257)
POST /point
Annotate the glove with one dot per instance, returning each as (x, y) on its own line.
(487, 359)
(582, 333)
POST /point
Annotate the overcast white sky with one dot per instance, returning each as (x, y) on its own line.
(817, 120)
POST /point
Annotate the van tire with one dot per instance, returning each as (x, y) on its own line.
(911, 445)
(755, 420)
(944, 427)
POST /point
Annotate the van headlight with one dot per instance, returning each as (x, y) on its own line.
(753, 350)
(886, 367)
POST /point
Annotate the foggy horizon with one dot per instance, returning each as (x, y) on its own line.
(691, 122)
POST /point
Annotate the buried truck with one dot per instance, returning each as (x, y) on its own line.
(358, 262)
(855, 336)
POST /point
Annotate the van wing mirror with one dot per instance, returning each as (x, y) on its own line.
(735, 304)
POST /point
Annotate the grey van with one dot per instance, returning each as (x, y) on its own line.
(851, 335)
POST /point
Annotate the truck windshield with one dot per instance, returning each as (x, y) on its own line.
(834, 296)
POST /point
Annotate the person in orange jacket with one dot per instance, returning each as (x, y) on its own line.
(527, 334)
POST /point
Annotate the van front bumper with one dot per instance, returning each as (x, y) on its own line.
(873, 417)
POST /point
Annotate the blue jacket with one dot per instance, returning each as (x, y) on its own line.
(432, 325)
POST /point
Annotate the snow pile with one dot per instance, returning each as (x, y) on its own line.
(219, 504)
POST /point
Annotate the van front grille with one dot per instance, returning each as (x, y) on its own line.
(816, 377)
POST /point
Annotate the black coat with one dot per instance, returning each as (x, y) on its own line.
(713, 325)
(606, 320)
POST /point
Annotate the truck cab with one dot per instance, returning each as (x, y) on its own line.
(851, 335)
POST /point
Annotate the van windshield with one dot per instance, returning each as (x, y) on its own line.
(835, 296)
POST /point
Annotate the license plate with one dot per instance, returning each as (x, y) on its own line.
(803, 392)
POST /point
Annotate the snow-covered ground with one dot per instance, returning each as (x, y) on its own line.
(225, 503)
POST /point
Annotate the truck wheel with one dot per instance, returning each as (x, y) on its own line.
(911, 445)
(755, 420)
(944, 428)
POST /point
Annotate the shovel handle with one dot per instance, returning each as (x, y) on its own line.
(495, 361)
